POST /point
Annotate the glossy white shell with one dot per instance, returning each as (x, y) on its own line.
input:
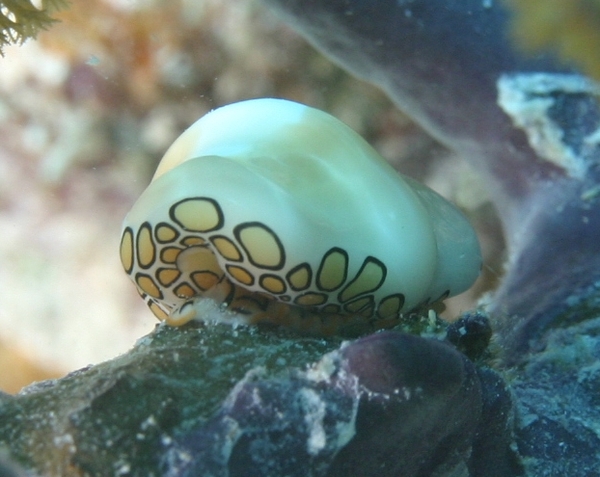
(288, 201)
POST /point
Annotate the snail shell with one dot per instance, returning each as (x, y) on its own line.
(285, 214)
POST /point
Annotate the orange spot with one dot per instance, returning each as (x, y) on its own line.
(299, 277)
(360, 305)
(198, 214)
(165, 233)
(369, 278)
(390, 305)
(148, 286)
(272, 283)
(169, 254)
(311, 299)
(126, 250)
(146, 251)
(333, 269)
(205, 280)
(240, 274)
(190, 241)
(226, 248)
(158, 311)
(166, 276)
(184, 291)
(262, 246)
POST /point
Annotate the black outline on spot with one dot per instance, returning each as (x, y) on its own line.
(183, 244)
(133, 249)
(168, 225)
(182, 297)
(238, 230)
(370, 303)
(207, 199)
(296, 269)
(322, 264)
(272, 275)
(145, 225)
(369, 259)
(209, 272)
(185, 304)
(239, 282)
(137, 277)
(169, 269)
(152, 301)
(312, 304)
(261, 302)
(164, 249)
(212, 238)
(400, 296)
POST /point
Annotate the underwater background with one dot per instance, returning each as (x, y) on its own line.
(507, 387)
(86, 112)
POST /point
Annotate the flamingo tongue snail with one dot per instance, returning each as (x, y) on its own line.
(285, 215)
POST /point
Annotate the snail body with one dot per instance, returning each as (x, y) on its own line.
(285, 214)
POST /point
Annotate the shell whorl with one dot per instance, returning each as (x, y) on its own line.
(281, 211)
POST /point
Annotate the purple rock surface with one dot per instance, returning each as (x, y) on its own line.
(389, 404)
